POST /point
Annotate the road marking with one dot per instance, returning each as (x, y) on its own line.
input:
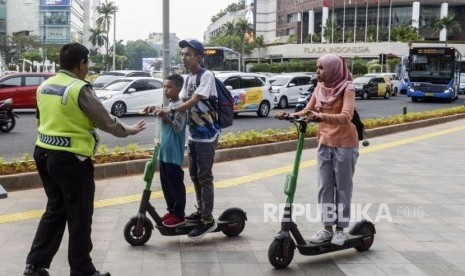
(233, 181)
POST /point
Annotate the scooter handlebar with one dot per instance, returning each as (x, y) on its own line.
(297, 119)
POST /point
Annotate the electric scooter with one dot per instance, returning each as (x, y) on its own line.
(139, 228)
(281, 250)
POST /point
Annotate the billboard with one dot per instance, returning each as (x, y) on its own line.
(250, 12)
(54, 2)
(152, 64)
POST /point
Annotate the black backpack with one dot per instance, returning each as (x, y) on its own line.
(359, 125)
(223, 104)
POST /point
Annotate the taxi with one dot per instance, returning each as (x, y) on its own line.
(371, 86)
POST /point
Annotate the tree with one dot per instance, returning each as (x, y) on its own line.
(405, 33)
(449, 23)
(21, 43)
(32, 55)
(292, 39)
(242, 28)
(53, 53)
(97, 37)
(327, 29)
(240, 5)
(135, 51)
(260, 43)
(106, 11)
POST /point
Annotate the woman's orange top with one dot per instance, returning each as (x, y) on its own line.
(336, 128)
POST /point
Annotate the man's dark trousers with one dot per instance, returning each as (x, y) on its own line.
(69, 185)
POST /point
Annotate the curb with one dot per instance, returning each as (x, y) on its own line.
(32, 180)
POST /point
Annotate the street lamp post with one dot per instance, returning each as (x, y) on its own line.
(114, 40)
(166, 44)
(44, 54)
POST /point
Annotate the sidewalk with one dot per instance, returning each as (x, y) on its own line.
(411, 184)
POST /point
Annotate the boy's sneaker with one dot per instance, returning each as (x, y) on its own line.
(195, 216)
(166, 216)
(204, 227)
(173, 221)
(323, 235)
(339, 238)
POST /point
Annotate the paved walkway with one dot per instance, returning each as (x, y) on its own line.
(411, 184)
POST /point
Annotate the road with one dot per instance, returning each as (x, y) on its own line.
(21, 140)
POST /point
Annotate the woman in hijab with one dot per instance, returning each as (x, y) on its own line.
(333, 104)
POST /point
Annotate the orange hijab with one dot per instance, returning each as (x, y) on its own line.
(338, 78)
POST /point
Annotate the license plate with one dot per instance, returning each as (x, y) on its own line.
(429, 94)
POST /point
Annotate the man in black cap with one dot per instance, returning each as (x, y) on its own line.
(203, 133)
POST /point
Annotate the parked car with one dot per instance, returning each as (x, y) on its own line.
(392, 81)
(107, 77)
(375, 86)
(22, 88)
(131, 95)
(251, 92)
(287, 88)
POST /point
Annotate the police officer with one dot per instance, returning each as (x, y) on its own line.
(68, 114)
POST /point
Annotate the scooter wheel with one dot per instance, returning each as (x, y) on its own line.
(130, 232)
(281, 252)
(368, 233)
(236, 223)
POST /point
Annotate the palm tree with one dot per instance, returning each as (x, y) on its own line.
(260, 43)
(449, 23)
(405, 33)
(229, 30)
(106, 11)
(97, 38)
(242, 28)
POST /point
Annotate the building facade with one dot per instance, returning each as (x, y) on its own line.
(61, 21)
(354, 28)
(217, 27)
(364, 21)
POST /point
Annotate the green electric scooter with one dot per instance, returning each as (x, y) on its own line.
(281, 250)
(139, 228)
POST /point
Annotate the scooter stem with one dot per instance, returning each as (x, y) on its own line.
(291, 181)
(150, 168)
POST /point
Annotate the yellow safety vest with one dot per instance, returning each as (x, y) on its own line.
(63, 124)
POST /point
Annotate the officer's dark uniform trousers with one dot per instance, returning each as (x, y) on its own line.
(69, 185)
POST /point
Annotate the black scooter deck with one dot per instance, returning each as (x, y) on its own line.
(188, 226)
(325, 247)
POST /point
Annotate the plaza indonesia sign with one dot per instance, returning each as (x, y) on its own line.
(337, 50)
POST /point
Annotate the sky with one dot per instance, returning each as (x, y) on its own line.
(135, 19)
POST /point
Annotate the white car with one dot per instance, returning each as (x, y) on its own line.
(288, 87)
(251, 92)
(131, 95)
(107, 77)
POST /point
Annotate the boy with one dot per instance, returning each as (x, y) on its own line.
(173, 138)
(203, 135)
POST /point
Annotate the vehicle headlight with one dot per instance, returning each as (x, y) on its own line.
(105, 98)
(411, 89)
(448, 90)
